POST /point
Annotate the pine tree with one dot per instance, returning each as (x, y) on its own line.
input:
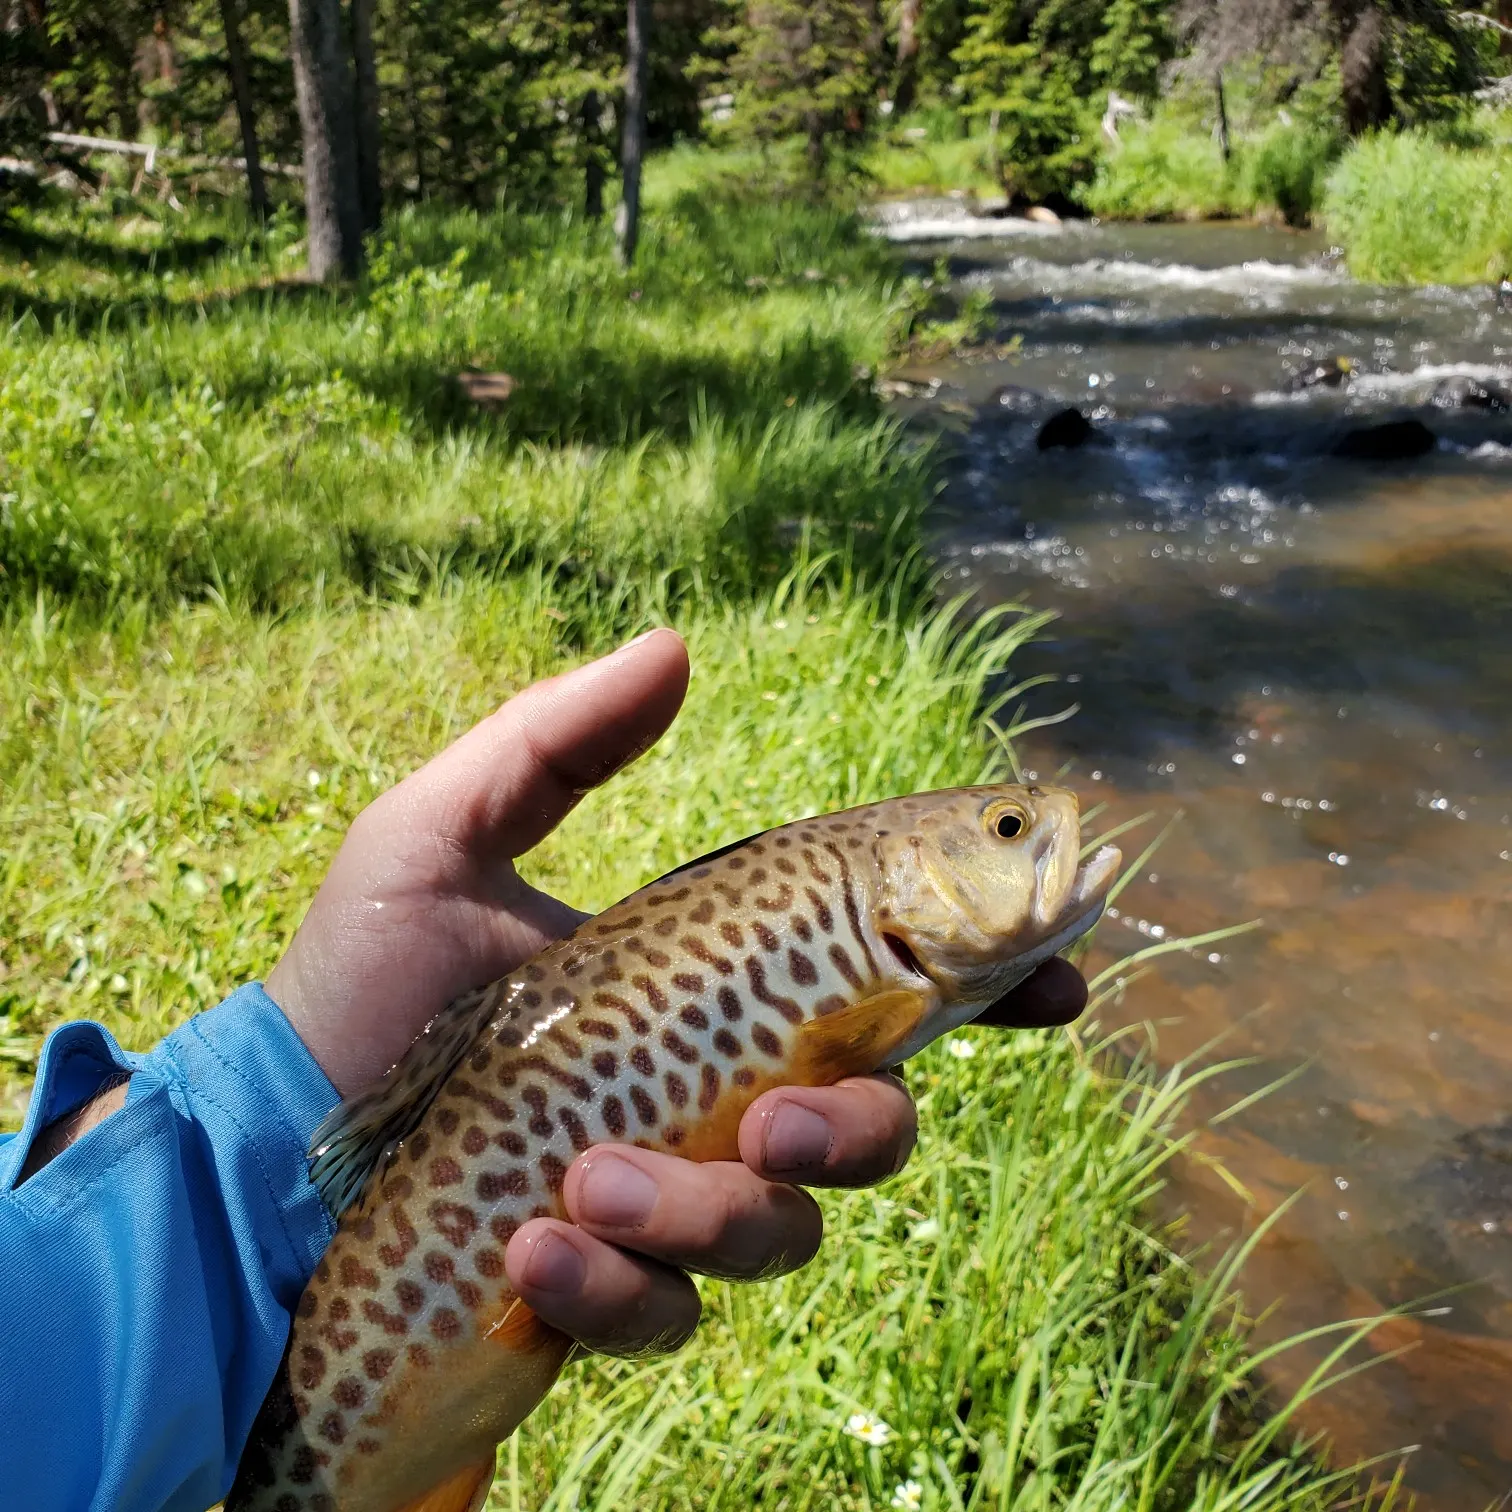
(811, 68)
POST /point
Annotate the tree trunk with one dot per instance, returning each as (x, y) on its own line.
(593, 172)
(1362, 71)
(633, 127)
(417, 129)
(1223, 126)
(323, 87)
(241, 93)
(1504, 15)
(369, 182)
(813, 124)
(906, 81)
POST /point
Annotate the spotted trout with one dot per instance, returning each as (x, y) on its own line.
(827, 948)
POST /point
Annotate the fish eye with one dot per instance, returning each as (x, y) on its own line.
(1009, 823)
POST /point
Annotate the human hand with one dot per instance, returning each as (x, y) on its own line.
(423, 902)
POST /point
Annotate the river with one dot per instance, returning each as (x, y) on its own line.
(1310, 658)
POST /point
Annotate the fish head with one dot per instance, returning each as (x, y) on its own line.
(978, 886)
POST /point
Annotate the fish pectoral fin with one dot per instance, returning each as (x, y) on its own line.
(466, 1491)
(518, 1328)
(352, 1146)
(855, 1040)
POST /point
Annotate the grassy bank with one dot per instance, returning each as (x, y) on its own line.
(1415, 206)
(258, 559)
(1410, 209)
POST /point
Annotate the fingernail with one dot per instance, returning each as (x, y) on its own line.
(796, 1137)
(615, 1193)
(555, 1266)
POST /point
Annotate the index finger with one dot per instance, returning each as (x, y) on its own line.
(1055, 994)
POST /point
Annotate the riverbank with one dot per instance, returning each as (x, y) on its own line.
(1410, 207)
(260, 553)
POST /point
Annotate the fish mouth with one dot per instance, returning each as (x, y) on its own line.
(1093, 879)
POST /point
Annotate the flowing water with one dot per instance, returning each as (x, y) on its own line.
(1311, 658)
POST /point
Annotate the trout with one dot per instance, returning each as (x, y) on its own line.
(827, 948)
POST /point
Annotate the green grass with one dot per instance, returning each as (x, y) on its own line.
(1171, 169)
(1412, 209)
(257, 562)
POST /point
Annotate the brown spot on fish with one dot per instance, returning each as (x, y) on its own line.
(640, 1059)
(614, 1116)
(490, 1263)
(417, 1144)
(577, 1130)
(730, 931)
(454, 1222)
(349, 1393)
(511, 1143)
(744, 1076)
(703, 913)
(447, 1120)
(708, 1087)
(677, 1089)
(419, 1356)
(756, 972)
(701, 952)
(445, 1324)
(727, 1044)
(332, 1428)
(674, 1136)
(765, 1041)
(534, 973)
(688, 981)
(553, 1171)
(531, 998)
(492, 1185)
(729, 1004)
(503, 1228)
(303, 1465)
(370, 1445)
(440, 1268)
(694, 1017)
(312, 1366)
(474, 1140)
(766, 937)
(666, 926)
(653, 993)
(679, 1047)
(377, 1363)
(802, 969)
(644, 1106)
(445, 1171)
(840, 959)
(309, 1304)
(481, 1060)
(355, 1273)
(786, 867)
(606, 1064)
(378, 1315)
(410, 1294)
(599, 1028)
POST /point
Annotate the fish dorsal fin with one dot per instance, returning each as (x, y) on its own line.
(466, 1491)
(352, 1146)
(857, 1039)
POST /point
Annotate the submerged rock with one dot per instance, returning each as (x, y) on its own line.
(1393, 441)
(1470, 393)
(1014, 399)
(1327, 374)
(1067, 427)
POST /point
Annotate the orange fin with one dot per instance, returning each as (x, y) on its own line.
(521, 1330)
(466, 1491)
(856, 1040)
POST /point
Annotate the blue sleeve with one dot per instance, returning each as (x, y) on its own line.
(152, 1268)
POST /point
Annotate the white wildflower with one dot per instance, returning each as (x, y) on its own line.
(962, 1049)
(868, 1429)
(921, 1232)
(313, 778)
(909, 1496)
